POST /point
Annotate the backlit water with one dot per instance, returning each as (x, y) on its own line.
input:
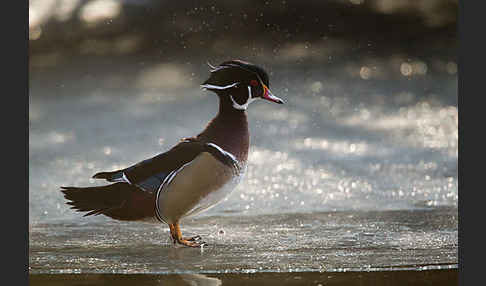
(352, 173)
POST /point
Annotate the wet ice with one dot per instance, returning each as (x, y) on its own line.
(337, 177)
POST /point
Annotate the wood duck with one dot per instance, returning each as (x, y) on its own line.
(196, 173)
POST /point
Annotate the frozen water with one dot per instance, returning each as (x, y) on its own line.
(329, 241)
(348, 174)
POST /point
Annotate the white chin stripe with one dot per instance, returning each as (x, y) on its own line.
(248, 101)
(210, 86)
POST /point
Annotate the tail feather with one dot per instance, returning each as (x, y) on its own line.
(120, 201)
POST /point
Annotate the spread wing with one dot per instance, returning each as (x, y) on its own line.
(151, 173)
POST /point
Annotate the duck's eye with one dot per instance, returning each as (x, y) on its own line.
(253, 82)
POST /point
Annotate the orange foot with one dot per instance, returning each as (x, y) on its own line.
(175, 233)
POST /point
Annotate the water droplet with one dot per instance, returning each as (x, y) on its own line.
(107, 150)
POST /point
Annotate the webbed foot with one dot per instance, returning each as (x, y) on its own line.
(176, 235)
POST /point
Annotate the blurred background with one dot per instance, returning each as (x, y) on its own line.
(370, 123)
(372, 39)
(371, 91)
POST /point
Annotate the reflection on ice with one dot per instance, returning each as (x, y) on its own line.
(358, 169)
(277, 243)
(200, 279)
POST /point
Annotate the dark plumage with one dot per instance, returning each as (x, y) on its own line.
(193, 175)
(119, 201)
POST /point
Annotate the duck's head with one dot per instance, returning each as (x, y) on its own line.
(241, 83)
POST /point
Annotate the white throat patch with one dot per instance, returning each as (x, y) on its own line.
(243, 106)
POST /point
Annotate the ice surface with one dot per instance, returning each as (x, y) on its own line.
(329, 241)
(347, 174)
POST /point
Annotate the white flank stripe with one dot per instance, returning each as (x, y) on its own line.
(166, 181)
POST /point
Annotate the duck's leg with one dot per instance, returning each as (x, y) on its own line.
(175, 233)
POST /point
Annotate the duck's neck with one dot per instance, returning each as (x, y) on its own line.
(229, 130)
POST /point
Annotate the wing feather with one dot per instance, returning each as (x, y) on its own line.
(149, 174)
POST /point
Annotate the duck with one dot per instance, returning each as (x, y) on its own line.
(196, 173)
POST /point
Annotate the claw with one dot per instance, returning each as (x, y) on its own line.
(192, 243)
(177, 238)
(194, 238)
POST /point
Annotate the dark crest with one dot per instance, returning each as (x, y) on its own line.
(232, 73)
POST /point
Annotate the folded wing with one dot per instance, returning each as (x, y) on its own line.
(150, 174)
